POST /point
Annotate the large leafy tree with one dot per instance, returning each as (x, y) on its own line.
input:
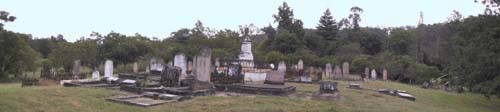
(355, 17)
(286, 21)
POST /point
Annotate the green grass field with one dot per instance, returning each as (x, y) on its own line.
(13, 98)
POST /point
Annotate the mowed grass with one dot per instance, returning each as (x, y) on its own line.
(13, 98)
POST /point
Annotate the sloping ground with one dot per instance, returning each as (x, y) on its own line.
(64, 99)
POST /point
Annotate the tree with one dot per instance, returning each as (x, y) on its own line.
(492, 7)
(181, 35)
(327, 26)
(355, 17)
(5, 17)
(16, 56)
(286, 21)
(399, 42)
(286, 42)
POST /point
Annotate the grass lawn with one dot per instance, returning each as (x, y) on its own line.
(69, 99)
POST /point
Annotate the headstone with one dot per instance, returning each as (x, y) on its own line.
(300, 65)
(95, 75)
(345, 69)
(337, 72)
(135, 67)
(374, 74)
(108, 68)
(217, 62)
(384, 75)
(190, 66)
(181, 62)
(328, 71)
(328, 87)
(367, 73)
(272, 66)
(282, 67)
(275, 77)
(76, 69)
(201, 65)
(53, 72)
(155, 64)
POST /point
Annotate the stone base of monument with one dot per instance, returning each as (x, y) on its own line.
(354, 86)
(262, 89)
(399, 93)
(147, 99)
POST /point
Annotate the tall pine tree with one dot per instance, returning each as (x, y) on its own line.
(327, 26)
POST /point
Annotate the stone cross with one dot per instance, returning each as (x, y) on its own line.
(108, 68)
(328, 71)
(181, 62)
(384, 75)
(345, 69)
(374, 74)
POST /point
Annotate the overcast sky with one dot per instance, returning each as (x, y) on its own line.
(158, 18)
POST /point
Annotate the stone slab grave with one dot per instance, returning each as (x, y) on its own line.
(328, 71)
(400, 93)
(146, 99)
(354, 86)
(327, 91)
(275, 77)
(108, 68)
(337, 72)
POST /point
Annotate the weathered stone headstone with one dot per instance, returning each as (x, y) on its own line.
(374, 74)
(108, 68)
(190, 66)
(155, 64)
(135, 67)
(217, 62)
(76, 69)
(328, 71)
(275, 77)
(384, 75)
(345, 69)
(181, 62)
(337, 72)
(95, 75)
(282, 67)
(53, 72)
(300, 65)
(201, 65)
(367, 73)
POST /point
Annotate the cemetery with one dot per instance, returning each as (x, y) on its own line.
(249, 56)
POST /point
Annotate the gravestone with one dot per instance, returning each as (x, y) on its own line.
(189, 67)
(300, 65)
(328, 71)
(384, 75)
(275, 77)
(155, 64)
(272, 66)
(217, 62)
(76, 69)
(374, 74)
(337, 72)
(181, 62)
(282, 67)
(135, 67)
(201, 65)
(53, 72)
(328, 87)
(345, 69)
(367, 73)
(95, 75)
(108, 68)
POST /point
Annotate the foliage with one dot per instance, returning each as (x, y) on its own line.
(327, 26)
(16, 56)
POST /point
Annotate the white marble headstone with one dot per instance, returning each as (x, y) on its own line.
(300, 65)
(108, 68)
(95, 75)
(282, 67)
(180, 61)
(374, 74)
